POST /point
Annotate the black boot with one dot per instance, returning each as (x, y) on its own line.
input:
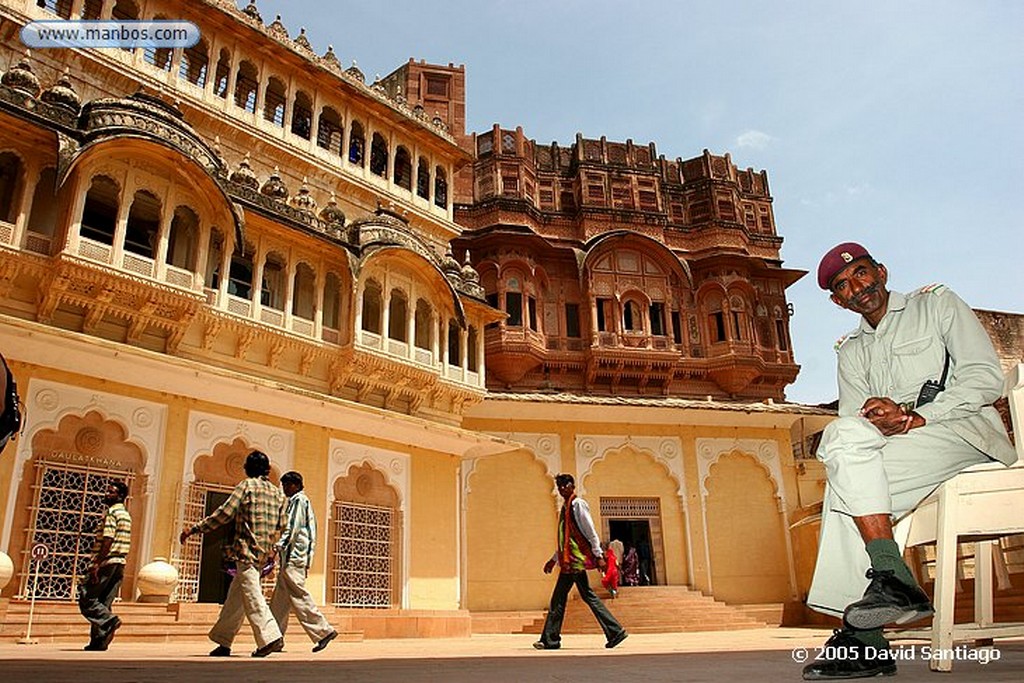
(887, 600)
(843, 656)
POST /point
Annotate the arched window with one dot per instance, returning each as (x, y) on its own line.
(273, 101)
(398, 313)
(246, 82)
(357, 144)
(716, 319)
(43, 219)
(423, 327)
(160, 57)
(372, 306)
(222, 75)
(240, 275)
(328, 130)
(304, 292)
(62, 8)
(632, 318)
(472, 343)
(332, 302)
(513, 302)
(10, 179)
(195, 62)
(143, 224)
(423, 178)
(302, 115)
(454, 344)
(403, 168)
(182, 241)
(738, 318)
(99, 215)
(440, 188)
(215, 255)
(92, 9)
(379, 156)
(125, 10)
(272, 291)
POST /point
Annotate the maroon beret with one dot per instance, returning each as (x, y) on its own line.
(837, 258)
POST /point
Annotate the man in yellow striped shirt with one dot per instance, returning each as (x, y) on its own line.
(106, 569)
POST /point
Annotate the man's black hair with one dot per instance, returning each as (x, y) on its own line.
(257, 464)
(564, 480)
(121, 487)
(293, 478)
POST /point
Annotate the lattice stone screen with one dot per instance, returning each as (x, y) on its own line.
(363, 556)
(66, 510)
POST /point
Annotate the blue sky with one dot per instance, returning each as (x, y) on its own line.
(896, 124)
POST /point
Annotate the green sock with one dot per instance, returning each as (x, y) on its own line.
(885, 554)
(874, 638)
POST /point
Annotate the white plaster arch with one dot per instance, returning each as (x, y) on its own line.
(207, 430)
(144, 424)
(545, 448)
(667, 451)
(396, 467)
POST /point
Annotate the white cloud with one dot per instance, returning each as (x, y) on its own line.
(754, 139)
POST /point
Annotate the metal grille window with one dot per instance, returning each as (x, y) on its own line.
(630, 507)
(363, 564)
(67, 507)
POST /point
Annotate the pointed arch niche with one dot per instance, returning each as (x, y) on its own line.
(520, 485)
(625, 475)
(216, 449)
(747, 545)
(74, 442)
(373, 484)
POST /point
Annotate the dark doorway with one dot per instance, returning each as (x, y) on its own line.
(213, 580)
(636, 533)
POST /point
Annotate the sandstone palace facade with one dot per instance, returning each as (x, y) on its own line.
(244, 244)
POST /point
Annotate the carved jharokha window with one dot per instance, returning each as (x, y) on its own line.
(332, 303)
(246, 83)
(356, 144)
(328, 131)
(99, 216)
(143, 224)
(222, 75)
(10, 178)
(454, 344)
(302, 116)
(183, 238)
(472, 347)
(195, 62)
(304, 288)
(379, 156)
(274, 98)
(423, 179)
(422, 324)
(403, 168)
(398, 313)
(440, 188)
(372, 306)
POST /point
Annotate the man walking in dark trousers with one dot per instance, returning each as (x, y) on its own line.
(106, 569)
(579, 549)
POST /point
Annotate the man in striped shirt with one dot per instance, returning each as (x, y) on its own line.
(257, 509)
(106, 569)
(296, 549)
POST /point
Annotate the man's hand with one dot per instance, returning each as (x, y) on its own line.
(889, 417)
(602, 564)
(548, 566)
(184, 536)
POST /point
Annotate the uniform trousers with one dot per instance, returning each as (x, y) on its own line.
(868, 474)
(95, 599)
(290, 594)
(245, 599)
(552, 634)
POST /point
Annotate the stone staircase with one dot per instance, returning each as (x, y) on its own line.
(61, 622)
(655, 609)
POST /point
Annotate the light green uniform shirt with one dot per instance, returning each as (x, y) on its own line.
(908, 348)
